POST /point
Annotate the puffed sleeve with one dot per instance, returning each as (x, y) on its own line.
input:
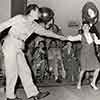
(93, 29)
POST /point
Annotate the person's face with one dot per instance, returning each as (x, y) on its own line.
(69, 44)
(32, 45)
(35, 14)
(53, 44)
(91, 13)
(41, 45)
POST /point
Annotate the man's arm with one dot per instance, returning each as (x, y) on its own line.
(75, 38)
(43, 32)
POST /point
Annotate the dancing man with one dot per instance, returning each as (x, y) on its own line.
(22, 26)
(88, 57)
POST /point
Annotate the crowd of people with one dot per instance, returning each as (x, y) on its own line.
(51, 61)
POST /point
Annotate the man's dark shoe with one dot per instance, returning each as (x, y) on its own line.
(42, 95)
(14, 99)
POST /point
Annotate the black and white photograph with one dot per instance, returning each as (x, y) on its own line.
(49, 49)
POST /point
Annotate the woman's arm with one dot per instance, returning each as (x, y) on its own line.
(9, 22)
(96, 40)
(75, 38)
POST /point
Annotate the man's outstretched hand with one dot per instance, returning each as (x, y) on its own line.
(64, 38)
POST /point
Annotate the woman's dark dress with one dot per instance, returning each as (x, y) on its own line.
(89, 60)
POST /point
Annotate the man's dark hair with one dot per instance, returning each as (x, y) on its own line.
(31, 7)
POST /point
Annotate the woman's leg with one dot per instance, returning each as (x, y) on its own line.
(80, 79)
(93, 83)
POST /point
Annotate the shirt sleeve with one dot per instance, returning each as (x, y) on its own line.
(38, 29)
(9, 23)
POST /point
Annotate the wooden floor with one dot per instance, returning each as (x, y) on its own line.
(63, 92)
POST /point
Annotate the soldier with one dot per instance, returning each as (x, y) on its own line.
(22, 26)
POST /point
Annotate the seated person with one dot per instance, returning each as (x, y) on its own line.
(39, 60)
(55, 61)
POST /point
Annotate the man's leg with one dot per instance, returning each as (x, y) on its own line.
(11, 73)
(26, 78)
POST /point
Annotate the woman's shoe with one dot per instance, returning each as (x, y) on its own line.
(94, 86)
(40, 95)
(78, 87)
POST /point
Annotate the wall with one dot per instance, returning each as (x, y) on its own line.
(5, 6)
(66, 10)
(18, 7)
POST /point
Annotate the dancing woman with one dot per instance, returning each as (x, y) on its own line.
(88, 59)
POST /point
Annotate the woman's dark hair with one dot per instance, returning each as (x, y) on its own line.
(80, 31)
(85, 22)
(30, 7)
(85, 15)
(93, 29)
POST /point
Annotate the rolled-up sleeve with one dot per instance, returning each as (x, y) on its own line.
(38, 29)
(9, 22)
